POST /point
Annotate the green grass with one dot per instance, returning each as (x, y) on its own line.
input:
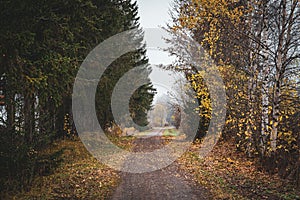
(171, 132)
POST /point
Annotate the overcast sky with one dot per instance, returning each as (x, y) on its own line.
(153, 15)
(154, 12)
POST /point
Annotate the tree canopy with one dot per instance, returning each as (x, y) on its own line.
(42, 45)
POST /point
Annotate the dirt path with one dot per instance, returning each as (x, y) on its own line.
(168, 183)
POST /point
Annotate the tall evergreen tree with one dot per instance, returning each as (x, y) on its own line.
(42, 44)
(141, 101)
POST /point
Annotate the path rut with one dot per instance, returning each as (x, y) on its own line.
(168, 183)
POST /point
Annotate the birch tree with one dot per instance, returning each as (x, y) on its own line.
(285, 26)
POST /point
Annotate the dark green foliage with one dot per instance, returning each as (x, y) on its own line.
(140, 104)
(42, 44)
(141, 100)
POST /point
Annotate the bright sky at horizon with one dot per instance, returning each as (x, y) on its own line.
(154, 14)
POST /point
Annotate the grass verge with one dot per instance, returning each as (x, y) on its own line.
(77, 176)
(229, 174)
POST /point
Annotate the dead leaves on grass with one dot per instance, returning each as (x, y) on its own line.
(228, 174)
(80, 176)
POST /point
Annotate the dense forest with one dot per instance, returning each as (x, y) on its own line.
(43, 44)
(254, 45)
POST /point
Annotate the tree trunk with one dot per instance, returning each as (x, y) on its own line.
(29, 117)
(265, 89)
(280, 59)
(251, 117)
(264, 117)
(276, 111)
